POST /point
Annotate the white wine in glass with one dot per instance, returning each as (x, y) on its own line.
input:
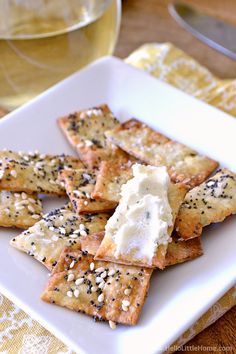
(43, 41)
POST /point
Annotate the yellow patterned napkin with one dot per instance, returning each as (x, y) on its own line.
(18, 332)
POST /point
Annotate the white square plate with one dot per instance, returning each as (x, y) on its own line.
(179, 295)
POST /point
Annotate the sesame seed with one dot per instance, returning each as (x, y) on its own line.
(101, 285)
(124, 308)
(88, 195)
(76, 293)
(51, 228)
(112, 325)
(52, 181)
(22, 202)
(35, 216)
(88, 142)
(31, 200)
(70, 277)
(83, 233)
(82, 227)
(104, 274)
(24, 195)
(69, 293)
(101, 298)
(99, 270)
(13, 173)
(20, 207)
(31, 208)
(126, 303)
(79, 281)
(99, 280)
(85, 202)
(127, 291)
(73, 236)
(72, 264)
(91, 266)
(86, 176)
(17, 195)
(62, 230)
(94, 289)
(111, 272)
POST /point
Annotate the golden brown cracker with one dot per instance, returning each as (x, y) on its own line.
(19, 209)
(85, 132)
(60, 228)
(211, 202)
(184, 164)
(182, 251)
(111, 176)
(34, 172)
(79, 185)
(104, 290)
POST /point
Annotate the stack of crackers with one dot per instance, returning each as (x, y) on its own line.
(87, 274)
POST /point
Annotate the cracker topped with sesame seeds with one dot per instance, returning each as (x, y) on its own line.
(104, 290)
(19, 209)
(60, 228)
(85, 132)
(79, 185)
(184, 164)
(34, 172)
(211, 202)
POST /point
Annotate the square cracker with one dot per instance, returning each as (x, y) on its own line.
(211, 202)
(107, 249)
(34, 172)
(85, 132)
(107, 291)
(181, 251)
(60, 228)
(19, 209)
(184, 164)
(111, 176)
(79, 185)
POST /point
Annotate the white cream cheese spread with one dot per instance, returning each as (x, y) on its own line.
(141, 220)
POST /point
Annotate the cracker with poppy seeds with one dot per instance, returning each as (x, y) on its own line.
(211, 202)
(104, 290)
(177, 252)
(111, 176)
(85, 132)
(182, 251)
(129, 251)
(79, 185)
(60, 228)
(34, 172)
(184, 164)
(19, 209)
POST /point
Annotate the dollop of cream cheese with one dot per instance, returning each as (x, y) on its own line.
(141, 220)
